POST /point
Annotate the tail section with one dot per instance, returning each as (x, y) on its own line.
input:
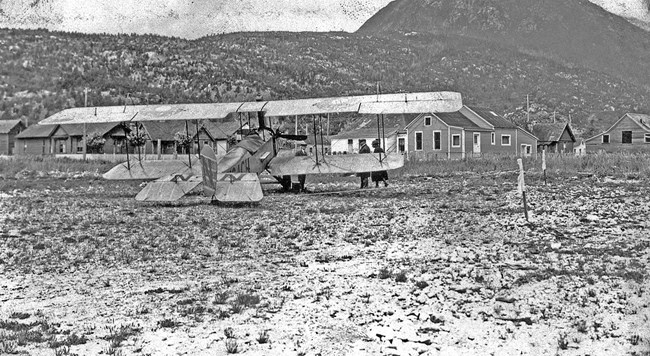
(238, 187)
(209, 167)
(228, 187)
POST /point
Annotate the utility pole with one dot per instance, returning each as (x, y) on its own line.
(527, 110)
(85, 137)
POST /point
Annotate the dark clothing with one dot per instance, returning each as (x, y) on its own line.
(301, 177)
(364, 175)
(379, 176)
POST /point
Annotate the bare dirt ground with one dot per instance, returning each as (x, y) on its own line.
(433, 266)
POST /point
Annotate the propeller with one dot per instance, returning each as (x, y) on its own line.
(292, 137)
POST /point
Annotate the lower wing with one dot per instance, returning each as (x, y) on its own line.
(150, 170)
(334, 164)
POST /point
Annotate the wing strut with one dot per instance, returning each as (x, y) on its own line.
(198, 137)
(322, 143)
(126, 141)
(315, 141)
(187, 133)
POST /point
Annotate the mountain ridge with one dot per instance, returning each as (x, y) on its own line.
(45, 72)
(574, 33)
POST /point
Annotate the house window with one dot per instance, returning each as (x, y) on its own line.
(525, 150)
(401, 144)
(350, 145)
(418, 141)
(437, 140)
(626, 137)
(427, 121)
(505, 140)
(493, 138)
(605, 138)
(647, 138)
(455, 140)
(362, 142)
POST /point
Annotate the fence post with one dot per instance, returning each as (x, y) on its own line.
(521, 187)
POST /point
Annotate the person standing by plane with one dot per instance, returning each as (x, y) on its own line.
(302, 177)
(363, 148)
(379, 176)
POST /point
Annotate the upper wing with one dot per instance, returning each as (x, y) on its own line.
(352, 163)
(365, 104)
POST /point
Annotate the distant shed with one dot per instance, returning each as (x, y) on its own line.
(8, 131)
(554, 137)
(36, 140)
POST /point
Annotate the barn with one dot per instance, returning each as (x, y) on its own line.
(630, 133)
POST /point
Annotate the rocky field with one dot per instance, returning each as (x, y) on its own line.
(429, 265)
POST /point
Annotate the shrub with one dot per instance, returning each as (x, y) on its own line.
(263, 337)
(232, 346)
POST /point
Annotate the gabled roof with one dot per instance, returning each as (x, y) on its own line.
(551, 132)
(7, 125)
(493, 118)
(641, 120)
(457, 119)
(221, 130)
(38, 131)
(91, 129)
(166, 130)
(364, 133)
(392, 121)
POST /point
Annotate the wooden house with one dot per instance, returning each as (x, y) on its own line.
(630, 133)
(465, 133)
(444, 135)
(68, 138)
(161, 136)
(505, 137)
(554, 137)
(224, 134)
(36, 140)
(8, 131)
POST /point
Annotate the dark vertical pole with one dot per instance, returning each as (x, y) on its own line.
(241, 125)
(378, 128)
(126, 141)
(322, 142)
(137, 134)
(187, 133)
(198, 139)
(315, 141)
(383, 133)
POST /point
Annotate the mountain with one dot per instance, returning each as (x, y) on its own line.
(574, 33)
(197, 18)
(44, 72)
(635, 11)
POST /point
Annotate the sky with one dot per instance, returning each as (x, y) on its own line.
(196, 18)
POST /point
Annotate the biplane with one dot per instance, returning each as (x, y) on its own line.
(235, 177)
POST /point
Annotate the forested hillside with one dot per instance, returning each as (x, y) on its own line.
(43, 72)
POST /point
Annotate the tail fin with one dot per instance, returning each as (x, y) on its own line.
(238, 187)
(209, 167)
